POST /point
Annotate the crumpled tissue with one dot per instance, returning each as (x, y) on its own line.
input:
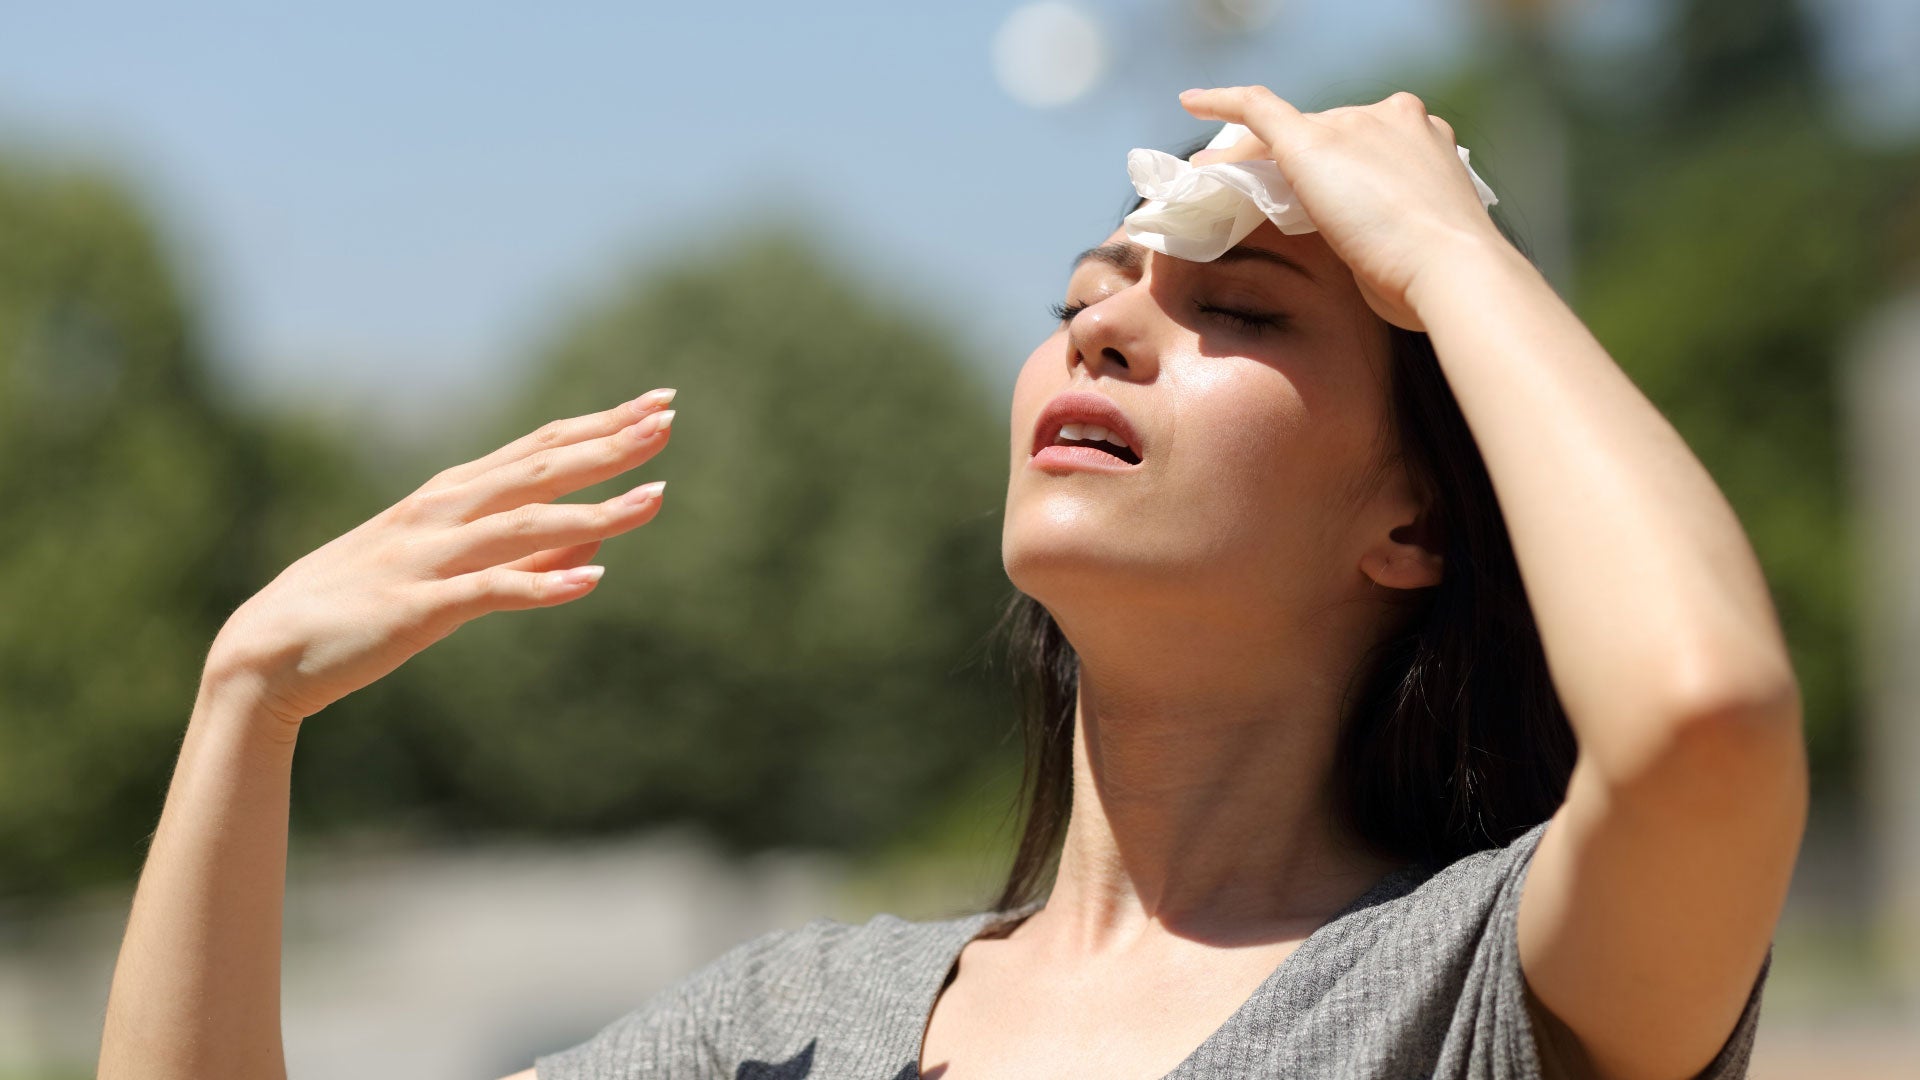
(1199, 212)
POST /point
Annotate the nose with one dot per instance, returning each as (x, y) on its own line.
(1110, 336)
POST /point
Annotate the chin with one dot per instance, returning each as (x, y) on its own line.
(1066, 566)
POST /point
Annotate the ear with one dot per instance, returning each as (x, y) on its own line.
(1408, 557)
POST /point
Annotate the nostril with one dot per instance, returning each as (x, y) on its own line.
(1114, 355)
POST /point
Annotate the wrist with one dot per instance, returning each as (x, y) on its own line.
(1466, 264)
(239, 694)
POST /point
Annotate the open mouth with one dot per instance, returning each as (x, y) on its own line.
(1086, 429)
(1096, 438)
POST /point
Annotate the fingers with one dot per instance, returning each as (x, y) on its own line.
(559, 433)
(1406, 101)
(496, 588)
(1249, 148)
(479, 578)
(550, 576)
(545, 475)
(1271, 119)
(561, 558)
(539, 527)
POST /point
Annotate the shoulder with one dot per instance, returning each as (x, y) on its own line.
(1479, 884)
(1433, 952)
(1407, 981)
(1430, 909)
(776, 995)
(826, 943)
(1481, 869)
(1445, 933)
(788, 965)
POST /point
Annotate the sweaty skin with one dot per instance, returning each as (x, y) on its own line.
(1218, 595)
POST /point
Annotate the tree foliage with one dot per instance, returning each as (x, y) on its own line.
(787, 653)
(1727, 239)
(792, 652)
(140, 509)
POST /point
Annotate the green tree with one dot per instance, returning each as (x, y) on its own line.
(1727, 282)
(1728, 237)
(140, 509)
(787, 654)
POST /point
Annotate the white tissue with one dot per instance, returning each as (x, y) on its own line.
(1198, 212)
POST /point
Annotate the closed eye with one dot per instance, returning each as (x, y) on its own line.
(1252, 322)
(1244, 320)
(1065, 312)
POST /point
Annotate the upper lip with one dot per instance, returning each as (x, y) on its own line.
(1083, 407)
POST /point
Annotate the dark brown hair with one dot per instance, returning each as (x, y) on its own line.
(1454, 739)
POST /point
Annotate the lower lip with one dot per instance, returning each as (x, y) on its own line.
(1078, 459)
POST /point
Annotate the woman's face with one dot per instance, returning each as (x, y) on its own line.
(1255, 387)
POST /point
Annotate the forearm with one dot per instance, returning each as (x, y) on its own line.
(1650, 602)
(196, 991)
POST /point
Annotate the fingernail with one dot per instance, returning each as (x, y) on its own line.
(658, 423)
(646, 492)
(656, 397)
(1194, 90)
(579, 575)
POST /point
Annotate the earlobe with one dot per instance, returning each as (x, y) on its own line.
(1410, 558)
(1404, 566)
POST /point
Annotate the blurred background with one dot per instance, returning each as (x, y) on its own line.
(264, 272)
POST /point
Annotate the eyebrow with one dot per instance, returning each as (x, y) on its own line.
(1243, 254)
(1128, 256)
(1125, 255)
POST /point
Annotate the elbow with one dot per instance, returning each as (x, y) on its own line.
(1755, 700)
(1724, 745)
(1753, 705)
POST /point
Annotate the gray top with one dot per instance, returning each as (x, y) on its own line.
(1418, 977)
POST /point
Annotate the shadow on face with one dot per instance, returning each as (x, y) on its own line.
(1257, 385)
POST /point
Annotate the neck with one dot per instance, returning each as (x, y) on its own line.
(1203, 784)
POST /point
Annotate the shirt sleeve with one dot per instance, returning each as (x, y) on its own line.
(1513, 1043)
(671, 1036)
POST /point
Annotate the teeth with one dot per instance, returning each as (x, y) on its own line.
(1090, 433)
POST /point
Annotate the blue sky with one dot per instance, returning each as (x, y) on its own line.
(387, 204)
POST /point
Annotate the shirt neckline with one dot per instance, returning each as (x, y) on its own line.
(971, 927)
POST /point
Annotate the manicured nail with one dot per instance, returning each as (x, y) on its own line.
(646, 492)
(1195, 90)
(656, 397)
(579, 575)
(658, 423)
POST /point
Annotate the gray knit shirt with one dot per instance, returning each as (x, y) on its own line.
(1418, 977)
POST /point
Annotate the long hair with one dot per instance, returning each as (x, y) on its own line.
(1453, 739)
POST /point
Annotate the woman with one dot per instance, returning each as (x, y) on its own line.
(1306, 833)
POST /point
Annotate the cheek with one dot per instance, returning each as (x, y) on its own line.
(1265, 455)
(1031, 390)
(1249, 424)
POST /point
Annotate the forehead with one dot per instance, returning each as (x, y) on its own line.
(1307, 250)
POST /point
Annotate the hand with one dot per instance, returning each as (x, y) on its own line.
(477, 537)
(1383, 183)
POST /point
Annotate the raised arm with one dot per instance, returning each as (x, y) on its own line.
(1653, 895)
(197, 989)
(196, 992)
